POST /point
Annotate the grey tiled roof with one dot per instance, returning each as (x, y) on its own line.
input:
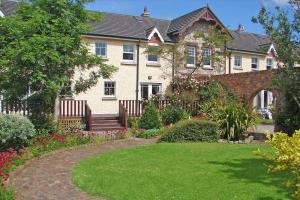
(179, 23)
(8, 7)
(244, 41)
(126, 26)
(137, 27)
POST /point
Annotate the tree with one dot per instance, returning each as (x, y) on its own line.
(283, 27)
(41, 48)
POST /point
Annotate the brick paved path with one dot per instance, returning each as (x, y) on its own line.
(48, 177)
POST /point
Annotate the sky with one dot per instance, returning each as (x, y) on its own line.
(230, 12)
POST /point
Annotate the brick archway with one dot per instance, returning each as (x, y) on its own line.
(248, 84)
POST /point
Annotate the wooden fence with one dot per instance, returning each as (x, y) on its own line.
(13, 108)
(136, 108)
(72, 108)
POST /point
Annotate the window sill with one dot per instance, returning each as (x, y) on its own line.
(104, 58)
(109, 99)
(238, 68)
(255, 69)
(208, 68)
(190, 66)
(153, 64)
(133, 63)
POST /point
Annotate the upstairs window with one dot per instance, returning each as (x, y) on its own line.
(109, 88)
(101, 49)
(207, 57)
(128, 52)
(254, 64)
(238, 61)
(269, 63)
(152, 56)
(191, 59)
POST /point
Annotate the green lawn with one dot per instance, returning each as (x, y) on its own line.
(197, 171)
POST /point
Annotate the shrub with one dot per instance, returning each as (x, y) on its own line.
(193, 131)
(286, 157)
(234, 119)
(173, 114)
(150, 119)
(15, 131)
(134, 122)
(148, 133)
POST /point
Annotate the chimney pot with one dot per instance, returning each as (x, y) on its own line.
(241, 28)
(145, 13)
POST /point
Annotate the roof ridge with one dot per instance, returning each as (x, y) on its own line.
(199, 9)
(157, 19)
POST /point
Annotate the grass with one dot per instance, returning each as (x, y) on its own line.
(181, 172)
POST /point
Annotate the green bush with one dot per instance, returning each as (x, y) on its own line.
(173, 114)
(134, 122)
(192, 131)
(15, 131)
(150, 119)
(148, 133)
(234, 119)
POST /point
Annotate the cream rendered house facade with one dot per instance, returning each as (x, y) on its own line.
(121, 40)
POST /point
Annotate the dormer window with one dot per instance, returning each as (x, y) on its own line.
(207, 58)
(191, 56)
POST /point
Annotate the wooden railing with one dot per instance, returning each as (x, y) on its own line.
(123, 115)
(72, 108)
(13, 108)
(88, 117)
(136, 108)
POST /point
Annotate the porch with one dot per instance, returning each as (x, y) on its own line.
(73, 112)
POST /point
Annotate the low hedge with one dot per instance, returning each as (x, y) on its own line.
(192, 131)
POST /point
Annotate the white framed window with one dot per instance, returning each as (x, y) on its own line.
(150, 89)
(128, 52)
(101, 49)
(269, 63)
(109, 88)
(153, 57)
(191, 59)
(254, 63)
(206, 58)
(238, 61)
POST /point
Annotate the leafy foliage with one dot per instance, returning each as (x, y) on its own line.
(15, 132)
(286, 157)
(150, 119)
(283, 26)
(233, 119)
(41, 47)
(192, 131)
(172, 114)
(133, 122)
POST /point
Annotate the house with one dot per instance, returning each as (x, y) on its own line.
(122, 40)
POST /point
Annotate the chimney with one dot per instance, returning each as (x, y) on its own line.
(241, 28)
(146, 13)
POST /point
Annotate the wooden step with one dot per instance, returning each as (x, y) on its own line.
(106, 125)
(108, 129)
(107, 121)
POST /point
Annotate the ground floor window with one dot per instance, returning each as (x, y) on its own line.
(150, 89)
(109, 88)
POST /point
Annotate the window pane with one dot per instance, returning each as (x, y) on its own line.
(128, 48)
(153, 58)
(238, 61)
(128, 56)
(144, 91)
(156, 89)
(254, 63)
(206, 56)
(109, 88)
(191, 60)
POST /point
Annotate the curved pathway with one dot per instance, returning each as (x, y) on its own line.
(49, 178)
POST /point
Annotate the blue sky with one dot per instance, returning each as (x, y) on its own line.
(230, 12)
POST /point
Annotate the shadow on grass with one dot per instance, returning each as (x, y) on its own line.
(254, 170)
